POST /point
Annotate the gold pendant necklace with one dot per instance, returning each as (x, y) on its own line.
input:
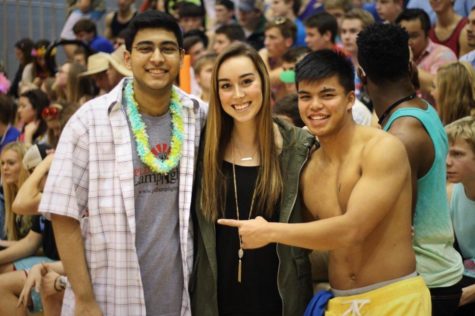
(240, 251)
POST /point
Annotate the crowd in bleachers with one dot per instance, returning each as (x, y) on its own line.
(37, 101)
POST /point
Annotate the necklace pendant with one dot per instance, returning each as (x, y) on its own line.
(246, 158)
(240, 253)
(239, 270)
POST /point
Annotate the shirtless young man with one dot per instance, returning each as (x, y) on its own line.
(357, 188)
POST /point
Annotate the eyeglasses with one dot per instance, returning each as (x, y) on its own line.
(50, 113)
(164, 49)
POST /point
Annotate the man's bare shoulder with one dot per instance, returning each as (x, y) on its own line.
(381, 146)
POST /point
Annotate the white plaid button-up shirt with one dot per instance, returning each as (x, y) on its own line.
(91, 180)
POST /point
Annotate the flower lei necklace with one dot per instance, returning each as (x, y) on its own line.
(141, 138)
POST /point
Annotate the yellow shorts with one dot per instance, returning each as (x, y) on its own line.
(409, 297)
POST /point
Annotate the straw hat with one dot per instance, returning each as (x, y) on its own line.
(96, 63)
(117, 61)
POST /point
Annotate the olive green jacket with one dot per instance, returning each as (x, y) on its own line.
(294, 273)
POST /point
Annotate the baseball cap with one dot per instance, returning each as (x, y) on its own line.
(34, 155)
(250, 5)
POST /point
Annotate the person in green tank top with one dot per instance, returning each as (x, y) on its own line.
(386, 72)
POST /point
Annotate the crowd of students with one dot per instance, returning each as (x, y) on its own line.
(134, 183)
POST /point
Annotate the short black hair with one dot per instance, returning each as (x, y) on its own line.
(324, 64)
(288, 106)
(39, 101)
(196, 33)
(233, 32)
(415, 14)
(228, 4)
(85, 25)
(293, 54)
(152, 19)
(323, 22)
(188, 9)
(383, 52)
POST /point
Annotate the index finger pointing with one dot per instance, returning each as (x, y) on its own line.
(229, 222)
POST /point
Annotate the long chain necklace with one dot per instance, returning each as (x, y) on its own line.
(141, 137)
(240, 251)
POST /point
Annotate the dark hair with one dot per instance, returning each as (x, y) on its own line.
(7, 109)
(233, 32)
(152, 19)
(39, 100)
(286, 27)
(188, 9)
(288, 106)
(324, 64)
(26, 46)
(293, 54)
(85, 25)
(190, 41)
(415, 14)
(228, 4)
(196, 33)
(323, 22)
(383, 52)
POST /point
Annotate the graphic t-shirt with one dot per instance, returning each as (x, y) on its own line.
(157, 222)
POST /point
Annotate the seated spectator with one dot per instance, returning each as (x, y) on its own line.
(30, 106)
(86, 31)
(470, 30)
(7, 114)
(321, 30)
(80, 56)
(190, 17)
(354, 21)
(224, 10)
(337, 8)
(289, 60)
(427, 55)
(203, 69)
(290, 9)
(461, 193)
(23, 253)
(118, 20)
(70, 87)
(448, 28)
(279, 37)
(97, 66)
(226, 35)
(23, 49)
(36, 71)
(252, 20)
(288, 110)
(388, 10)
(80, 9)
(459, 77)
(14, 175)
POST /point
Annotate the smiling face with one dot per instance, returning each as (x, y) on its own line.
(154, 70)
(11, 164)
(460, 162)
(324, 105)
(240, 89)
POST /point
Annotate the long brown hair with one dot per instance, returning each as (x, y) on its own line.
(10, 191)
(218, 134)
(456, 95)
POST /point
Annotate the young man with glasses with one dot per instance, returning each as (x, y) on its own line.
(119, 190)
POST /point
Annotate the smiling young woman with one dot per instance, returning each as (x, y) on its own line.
(249, 166)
